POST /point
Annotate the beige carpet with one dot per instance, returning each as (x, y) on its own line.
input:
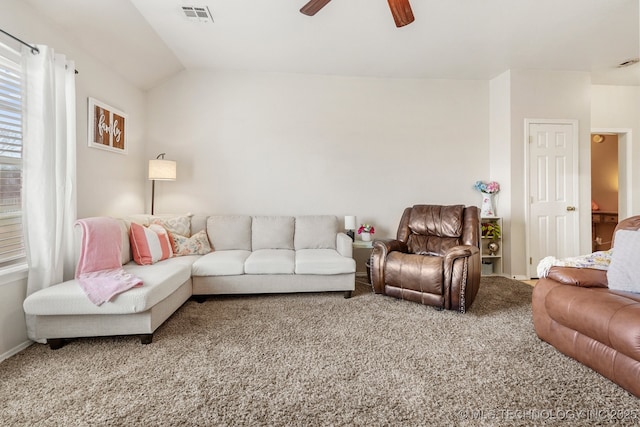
(316, 359)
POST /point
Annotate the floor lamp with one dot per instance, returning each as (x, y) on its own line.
(160, 170)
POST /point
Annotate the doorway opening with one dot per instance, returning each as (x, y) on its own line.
(604, 190)
(610, 183)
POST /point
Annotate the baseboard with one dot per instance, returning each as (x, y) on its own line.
(15, 350)
(520, 277)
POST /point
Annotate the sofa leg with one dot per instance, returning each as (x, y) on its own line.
(55, 343)
(347, 294)
(199, 298)
(146, 338)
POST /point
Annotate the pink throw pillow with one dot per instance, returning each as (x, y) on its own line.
(149, 244)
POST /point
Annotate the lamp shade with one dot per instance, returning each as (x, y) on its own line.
(162, 170)
(349, 222)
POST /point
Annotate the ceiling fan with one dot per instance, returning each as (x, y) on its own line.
(400, 9)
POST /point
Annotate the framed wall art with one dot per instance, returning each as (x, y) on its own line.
(107, 127)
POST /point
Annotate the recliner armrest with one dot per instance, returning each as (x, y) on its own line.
(381, 249)
(455, 278)
(389, 245)
(460, 251)
(582, 277)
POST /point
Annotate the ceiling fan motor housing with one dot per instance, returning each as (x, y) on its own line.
(400, 9)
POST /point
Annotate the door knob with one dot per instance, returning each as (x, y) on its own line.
(571, 208)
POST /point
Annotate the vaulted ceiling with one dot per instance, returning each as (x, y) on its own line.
(147, 41)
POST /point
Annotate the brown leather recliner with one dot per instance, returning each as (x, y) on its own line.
(435, 259)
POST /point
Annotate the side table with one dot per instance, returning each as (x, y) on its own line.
(362, 254)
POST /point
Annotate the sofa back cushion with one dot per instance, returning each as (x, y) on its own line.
(198, 223)
(437, 228)
(229, 232)
(272, 232)
(315, 232)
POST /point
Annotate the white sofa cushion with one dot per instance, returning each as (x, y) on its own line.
(270, 261)
(229, 232)
(221, 263)
(159, 281)
(272, 232)
(323, 261)
(316, 232)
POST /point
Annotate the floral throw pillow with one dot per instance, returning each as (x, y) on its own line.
(198, 244)
(177, 225)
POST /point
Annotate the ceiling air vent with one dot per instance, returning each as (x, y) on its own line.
(197, 13)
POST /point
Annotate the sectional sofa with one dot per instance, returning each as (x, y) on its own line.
(251, 255)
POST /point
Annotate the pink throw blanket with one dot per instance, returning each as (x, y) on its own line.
(99, 271)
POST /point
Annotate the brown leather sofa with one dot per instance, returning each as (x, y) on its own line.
(434, 260)
(574, 311)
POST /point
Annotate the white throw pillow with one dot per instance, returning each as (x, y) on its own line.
(624, 271)
(175, 225)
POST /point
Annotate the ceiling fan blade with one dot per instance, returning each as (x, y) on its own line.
(313, 7)
(401, 11)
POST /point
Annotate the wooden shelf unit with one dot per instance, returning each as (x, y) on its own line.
(491, 263)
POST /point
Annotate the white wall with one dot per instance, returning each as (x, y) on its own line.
(500, 160)
(13, 330)
(108, 183)
(520, 94)
(300, 144)
(535, 94)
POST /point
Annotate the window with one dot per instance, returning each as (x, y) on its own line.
(11, 237)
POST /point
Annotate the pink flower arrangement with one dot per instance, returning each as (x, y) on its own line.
(366, 228)
(491, 187)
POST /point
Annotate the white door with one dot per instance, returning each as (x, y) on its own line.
(553, 191)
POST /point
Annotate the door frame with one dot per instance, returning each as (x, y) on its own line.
(625, 157)
(576, 180)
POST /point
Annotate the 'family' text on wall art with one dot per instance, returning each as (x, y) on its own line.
(107, 127)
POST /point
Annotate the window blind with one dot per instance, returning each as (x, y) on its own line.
(11, 236)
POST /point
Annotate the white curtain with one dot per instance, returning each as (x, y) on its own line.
(49, 168)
